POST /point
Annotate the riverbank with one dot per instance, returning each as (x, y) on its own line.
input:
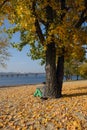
(20, 110)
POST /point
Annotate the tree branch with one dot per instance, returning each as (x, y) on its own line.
(85, 1)
(39, 31)
(42, 21)
(3, 3)
(82, 18)
(63, 7)
(37, 25)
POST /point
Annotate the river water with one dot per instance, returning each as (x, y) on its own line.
(11, 80)
(21, 79)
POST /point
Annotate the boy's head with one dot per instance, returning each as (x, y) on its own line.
(44, 82)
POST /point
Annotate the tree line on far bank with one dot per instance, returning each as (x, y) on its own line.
(75, 69)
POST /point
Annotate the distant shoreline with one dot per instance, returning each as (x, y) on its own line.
(19, 85)
(38, 84)
(19, 79)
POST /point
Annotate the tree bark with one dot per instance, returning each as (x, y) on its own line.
(60, 75)
(51, 81)
(54, 76)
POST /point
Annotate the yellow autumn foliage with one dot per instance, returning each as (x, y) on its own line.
(31, 16)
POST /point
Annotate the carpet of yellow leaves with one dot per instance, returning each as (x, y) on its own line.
(20, 110)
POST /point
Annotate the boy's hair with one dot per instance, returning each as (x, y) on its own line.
(44, 82)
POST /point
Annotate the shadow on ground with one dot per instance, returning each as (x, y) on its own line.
(74, 95)
(80, 88)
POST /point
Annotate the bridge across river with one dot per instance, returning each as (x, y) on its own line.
(20, 74)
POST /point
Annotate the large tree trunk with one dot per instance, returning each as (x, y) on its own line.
(51, 81)
(60, 75)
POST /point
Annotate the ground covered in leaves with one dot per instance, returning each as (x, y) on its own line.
(20, 110)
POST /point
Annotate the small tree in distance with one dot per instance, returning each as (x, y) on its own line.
(73, 62)
(4, 54)
(83, 70)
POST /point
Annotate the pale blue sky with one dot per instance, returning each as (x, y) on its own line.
(19, 61)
